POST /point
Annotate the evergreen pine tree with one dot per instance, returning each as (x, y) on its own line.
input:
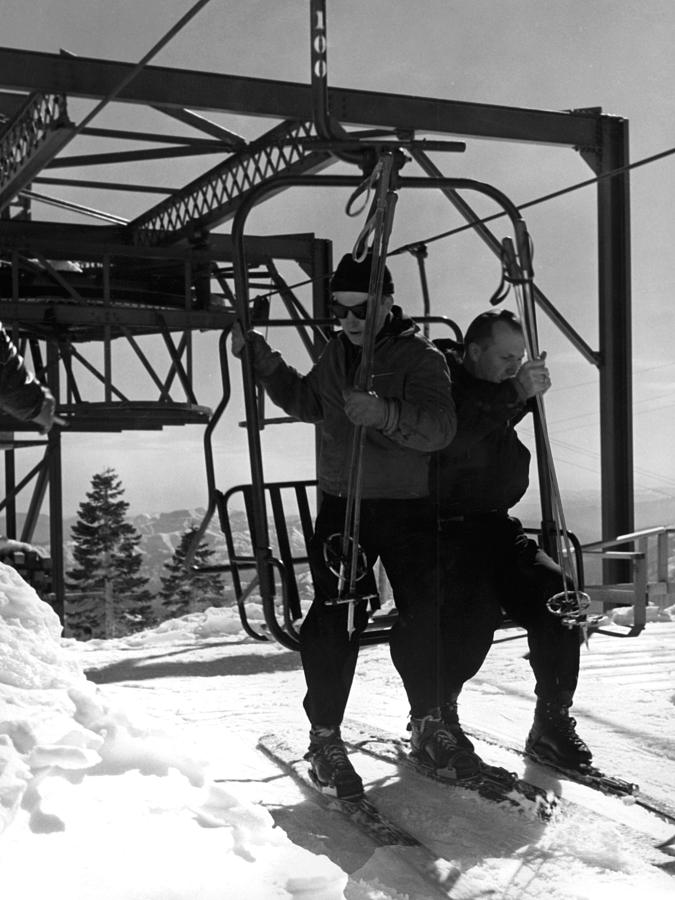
(111, 595)
(185, 590)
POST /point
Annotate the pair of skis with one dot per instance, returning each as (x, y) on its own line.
(439, 875)
(495, 784)
(501, 786)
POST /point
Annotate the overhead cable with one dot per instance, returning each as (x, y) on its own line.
(407, 248)
(612, 173)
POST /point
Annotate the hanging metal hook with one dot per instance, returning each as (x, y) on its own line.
(326, 127)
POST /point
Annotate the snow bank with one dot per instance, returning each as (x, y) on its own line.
(99, 801)
(180, 835)
(220, 622)
(624, 615)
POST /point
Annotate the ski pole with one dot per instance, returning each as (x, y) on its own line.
(570, 605)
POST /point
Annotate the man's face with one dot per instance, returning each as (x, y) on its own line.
(351, 323)
(500, 359)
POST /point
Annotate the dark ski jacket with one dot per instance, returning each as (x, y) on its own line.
(407, 370)
(486, 467)
(21, 395)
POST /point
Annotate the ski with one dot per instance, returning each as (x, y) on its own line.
(437, 872)
(494, 783)
(590, 776)
(593, 778)
(606, 784)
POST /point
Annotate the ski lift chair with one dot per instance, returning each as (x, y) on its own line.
(289, 503)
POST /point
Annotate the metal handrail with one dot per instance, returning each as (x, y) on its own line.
(640, 560)
(632, 536)
(617, 554)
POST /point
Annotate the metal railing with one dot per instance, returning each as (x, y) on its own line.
(645, 549)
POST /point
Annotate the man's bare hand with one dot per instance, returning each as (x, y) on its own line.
(533, 377)
(47, 417)
(238, 339)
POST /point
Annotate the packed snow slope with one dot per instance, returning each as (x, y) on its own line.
(140, 780)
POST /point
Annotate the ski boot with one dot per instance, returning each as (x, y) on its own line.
(451, 721)
(434, 746)
(330, 768)
(553, 738)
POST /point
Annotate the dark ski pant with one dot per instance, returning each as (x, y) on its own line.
(402, 533)
(488, 565)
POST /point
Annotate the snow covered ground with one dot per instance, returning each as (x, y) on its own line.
(142, 781)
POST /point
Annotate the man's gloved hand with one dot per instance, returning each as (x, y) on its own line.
(533, 378)
(365, 408)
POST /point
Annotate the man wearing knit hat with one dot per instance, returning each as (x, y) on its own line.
(407, 415)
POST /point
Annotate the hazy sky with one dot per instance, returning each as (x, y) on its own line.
(527, 53)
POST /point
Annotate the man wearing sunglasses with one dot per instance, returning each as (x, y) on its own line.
(407, 415)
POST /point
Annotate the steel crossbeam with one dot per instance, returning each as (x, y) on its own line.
(30, 141)
(26, 70)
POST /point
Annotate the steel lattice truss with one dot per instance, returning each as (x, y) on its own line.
(215, 197)
(29, 142)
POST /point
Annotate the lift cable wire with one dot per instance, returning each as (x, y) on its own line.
(612, 173)
(593, 455)
(409, 248)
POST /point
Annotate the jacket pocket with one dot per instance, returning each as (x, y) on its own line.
(389, 384)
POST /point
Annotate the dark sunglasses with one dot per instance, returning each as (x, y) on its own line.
(341, 312)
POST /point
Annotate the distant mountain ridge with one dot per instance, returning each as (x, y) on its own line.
(582, 512)
(161, 532)
(160, 535)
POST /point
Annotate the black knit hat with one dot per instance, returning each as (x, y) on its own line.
(355, 276)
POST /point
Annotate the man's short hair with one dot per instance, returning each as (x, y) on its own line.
(480, 331)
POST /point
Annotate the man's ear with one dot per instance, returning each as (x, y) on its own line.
(473, 351)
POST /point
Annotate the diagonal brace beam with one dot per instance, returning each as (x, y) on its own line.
(495, 245)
